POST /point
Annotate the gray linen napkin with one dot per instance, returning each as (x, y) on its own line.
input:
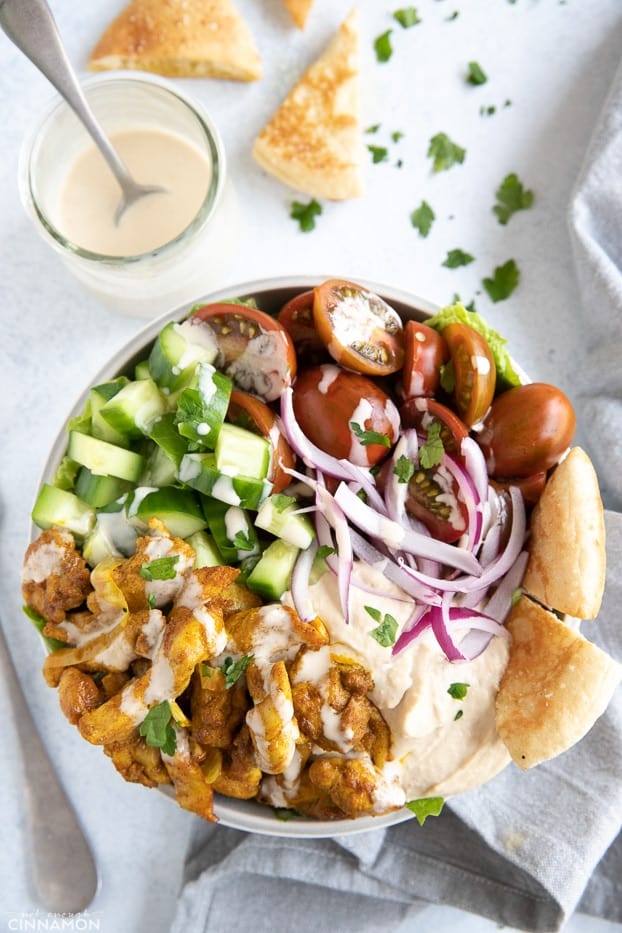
(525, 850)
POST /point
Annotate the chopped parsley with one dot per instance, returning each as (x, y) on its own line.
(386, 631)
(396, 135)
(475, 74)
(503, 281)
(403, 469)
(487, 111)
(459, 714)
(324, 551)
(369, 437)
(431, 453)
(233, 670)
(157, 728)
(456, 258)
(305, 214)
(458, 691)
(281, 502)
(422, 218)
(373, 128)
(444, 152)
(378, 154)
(511, 197)
(453, 16)
(407, 17)
(425, 807)
(151, 600)
(242, 541)
(383, 47)
(162, 568)
(516, 595)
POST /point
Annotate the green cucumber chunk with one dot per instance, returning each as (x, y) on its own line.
(232, 531)
(104, 458)
(159, 469)
(98, 490)
(142, 371)
(59, 508)
(239, 451)
(164, 433)
(201, 409)
(278, 515)
(98, 397)
(177, 350)
(179, 509)
(272, 575)
(134, 408)
(198, 470)
(204, 546)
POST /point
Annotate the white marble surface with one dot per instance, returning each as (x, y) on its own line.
(554, 62)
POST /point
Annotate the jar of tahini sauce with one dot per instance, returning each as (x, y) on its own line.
(168, 248)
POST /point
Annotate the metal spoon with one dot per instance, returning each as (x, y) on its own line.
(64, 870)
(29, 24)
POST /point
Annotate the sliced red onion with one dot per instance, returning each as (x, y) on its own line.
(300, 583)
(337, 520)
(419, 622)
(470, 496)
(365, 480)
(371, 555)
(440, 621)
(475, 466)
(500, 602)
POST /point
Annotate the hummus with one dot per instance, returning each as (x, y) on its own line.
(441, 745)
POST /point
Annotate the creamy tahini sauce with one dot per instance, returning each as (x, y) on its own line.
(91, 194)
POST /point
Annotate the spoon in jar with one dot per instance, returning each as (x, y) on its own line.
(29, 24)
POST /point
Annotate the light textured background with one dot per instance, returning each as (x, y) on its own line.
(553, 60)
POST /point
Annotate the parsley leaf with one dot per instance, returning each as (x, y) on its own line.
(422, 218)
(396, 135)
(431, 453)
(453, 16)
(444, 152)
(475, 74)
(385, 633)
(511, 197)
(233, 670)
(403, 469)
(151, 600)
(425, 807)
(162, 568)
(242, 541)
(373, 612)
(378, 154)
(459, 714)
(504, 280)
(407, 17)
(157, 729)
(305, 214)
(458, 691)
(369, 437)
(456, 258)
(516, 595)
(324, 551)
(373, 129)
(383, 47)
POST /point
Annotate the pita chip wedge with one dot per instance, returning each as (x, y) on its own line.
(566, 567)
(298, 10)
(179, 38)
(313, 143)
(556, 685)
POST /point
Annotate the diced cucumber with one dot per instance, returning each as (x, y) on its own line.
(97, 546)
(201, 410)
(159, 469)
(176, 352)
(104, 458)
(98, 490)
(178, 508)
(59, 508)
(240, 451)
(271, 576)
(98, 396)
(232, 530)
(207, 554)
(116, 529)
(134, 408)
(165, 434)
(199, 471)
(278, 516)
(142, 371)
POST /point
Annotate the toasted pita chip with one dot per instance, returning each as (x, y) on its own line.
(555, 686)
(314, 141)
(182, 38)
(566, 568)
(298, 10)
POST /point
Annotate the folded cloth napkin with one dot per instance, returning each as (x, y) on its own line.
(525, 850)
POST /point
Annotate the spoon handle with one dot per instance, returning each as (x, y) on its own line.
(64, 870)
(29, 24)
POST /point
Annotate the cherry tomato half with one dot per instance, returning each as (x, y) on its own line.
(251, 413)
(254, 350)
(433, 499)
(474, 370)
(345, 414)
(526, 430)
(360, 330)
(296, 316)
(419, 413)
(425, 352)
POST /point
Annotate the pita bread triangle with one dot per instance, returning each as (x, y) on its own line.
(179, 38)
(313, 143)
(298, 10)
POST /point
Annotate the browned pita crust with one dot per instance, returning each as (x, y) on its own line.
(314, 141)
(566, 569)
(299, 11)
(555, 686)
(183, 38)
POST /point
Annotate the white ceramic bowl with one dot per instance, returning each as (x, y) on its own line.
(271, 295)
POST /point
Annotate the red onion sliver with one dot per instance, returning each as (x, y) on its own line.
(367, 552)
(300, 583)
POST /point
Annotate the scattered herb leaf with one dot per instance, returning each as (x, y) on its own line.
(504, 280)
(396, 135)
(425, 807)
(385, 633)
(444, 152)
(458, 691)
(374, 613)
(233, 670)
(242, 541)
(305, 214)
(378, 154)
(407, 17)
(151, 600)
(453, 16)
(516, 595)
(324, 551)
(459, 714)
(511, 197)
(369, 437)
(476, 75)
(403, 469)
(431, 453)
(383, 47)
(456, 258)
(157, 729)
(422, 218)
(373, 128)
(162, 568)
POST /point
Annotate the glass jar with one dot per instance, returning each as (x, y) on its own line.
(149, 283)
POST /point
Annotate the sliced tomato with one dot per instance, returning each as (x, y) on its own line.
(419, 413)
(296, 316)
(425, 351)
(433, 499)
(359, 329)
(345, 414)
(251, 413)
(254, 349)
(474, 370)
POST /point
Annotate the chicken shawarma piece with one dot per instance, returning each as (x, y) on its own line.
(55, 576)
